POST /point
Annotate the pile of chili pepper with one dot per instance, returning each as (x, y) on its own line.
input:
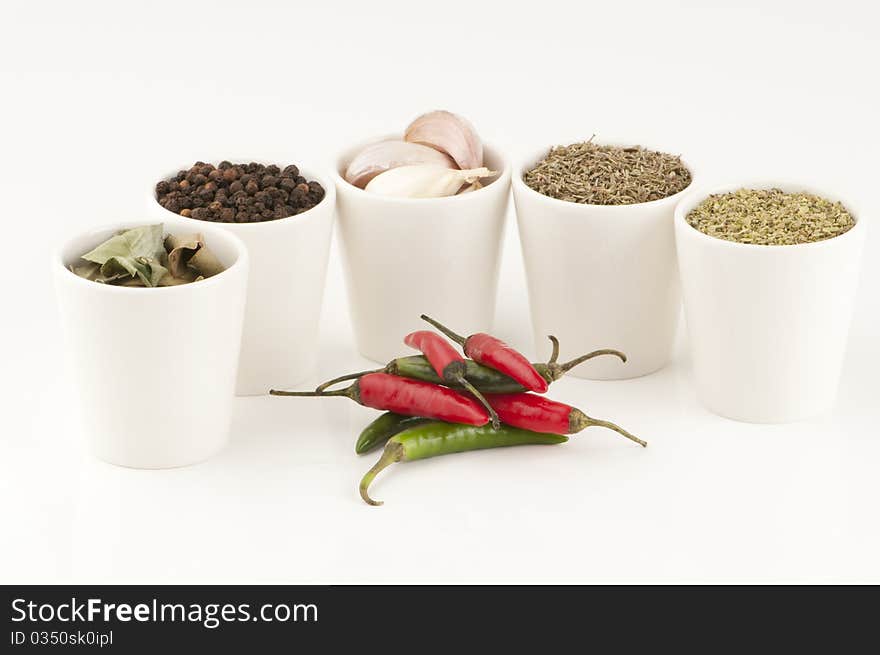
(439, 402)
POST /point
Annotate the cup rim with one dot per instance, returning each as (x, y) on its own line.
(521, 185)
(502, 179)
(241, 258)
(320, 176)
(697, 195)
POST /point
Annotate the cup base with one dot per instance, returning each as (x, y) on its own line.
(158, 466)
(768, 418)
(251, 389)
(624, 374)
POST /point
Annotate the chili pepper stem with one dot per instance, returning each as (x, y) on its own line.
(596, 353)
(343, 378)
(557, 371)
(457, 338)
(555, 354)
(348, 392)
(493, 416)
(393, 453)
(578, 421)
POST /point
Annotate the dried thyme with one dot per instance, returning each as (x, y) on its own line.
(593, 174)
(770, 217)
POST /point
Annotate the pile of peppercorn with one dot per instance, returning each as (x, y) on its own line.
(238, 193)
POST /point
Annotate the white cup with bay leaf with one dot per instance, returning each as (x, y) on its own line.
(152, 318)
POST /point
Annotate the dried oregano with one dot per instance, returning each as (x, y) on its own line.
(593, 174)
(770, 217)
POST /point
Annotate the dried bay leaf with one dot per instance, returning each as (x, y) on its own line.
(141, 257)
(90, 270)
(189, 253)
(205, 262)
(137, 252)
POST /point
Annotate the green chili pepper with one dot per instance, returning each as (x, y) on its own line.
(437, 438)
(383, 428)
(485, 379)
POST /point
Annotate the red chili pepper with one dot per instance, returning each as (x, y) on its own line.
(447, 363)
(407, 397)
(540, 414)
(494, 353)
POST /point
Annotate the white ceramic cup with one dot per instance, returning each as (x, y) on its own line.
(154, 369)
(405, 257)
(286, 290)
(600, 277)
(767, 324)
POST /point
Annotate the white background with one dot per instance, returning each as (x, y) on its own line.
(100, 99)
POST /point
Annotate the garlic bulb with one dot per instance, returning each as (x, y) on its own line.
(449, 133)
(379, 157)
(424, 181)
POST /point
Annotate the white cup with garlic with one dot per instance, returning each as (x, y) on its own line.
(421, 217)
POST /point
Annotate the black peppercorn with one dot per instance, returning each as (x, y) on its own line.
(247, 193)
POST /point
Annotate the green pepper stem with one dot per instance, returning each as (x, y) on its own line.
(555, 354)
(347, 392)
(393, 453)
(343, 378)
(567, 366)
(578, 421)
(493, 415)
(619, 430)
(457, 338)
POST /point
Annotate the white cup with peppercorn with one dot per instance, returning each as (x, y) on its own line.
(153, 369)
(284, 214)
(768, 296)
(423, 244)
(600, 273)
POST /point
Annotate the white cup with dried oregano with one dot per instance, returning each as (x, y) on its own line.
(769, 275)
(152, 317)
(595, 223)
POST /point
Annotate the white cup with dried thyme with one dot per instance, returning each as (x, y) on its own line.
(769, 275)
(152, 317)
(595, 223)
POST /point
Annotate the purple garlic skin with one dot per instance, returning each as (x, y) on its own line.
(449, 133)
(382, 156)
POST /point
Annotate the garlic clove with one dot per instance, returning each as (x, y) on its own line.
(379, 157)
(424, 181)
(449, 133)
(476, 186)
